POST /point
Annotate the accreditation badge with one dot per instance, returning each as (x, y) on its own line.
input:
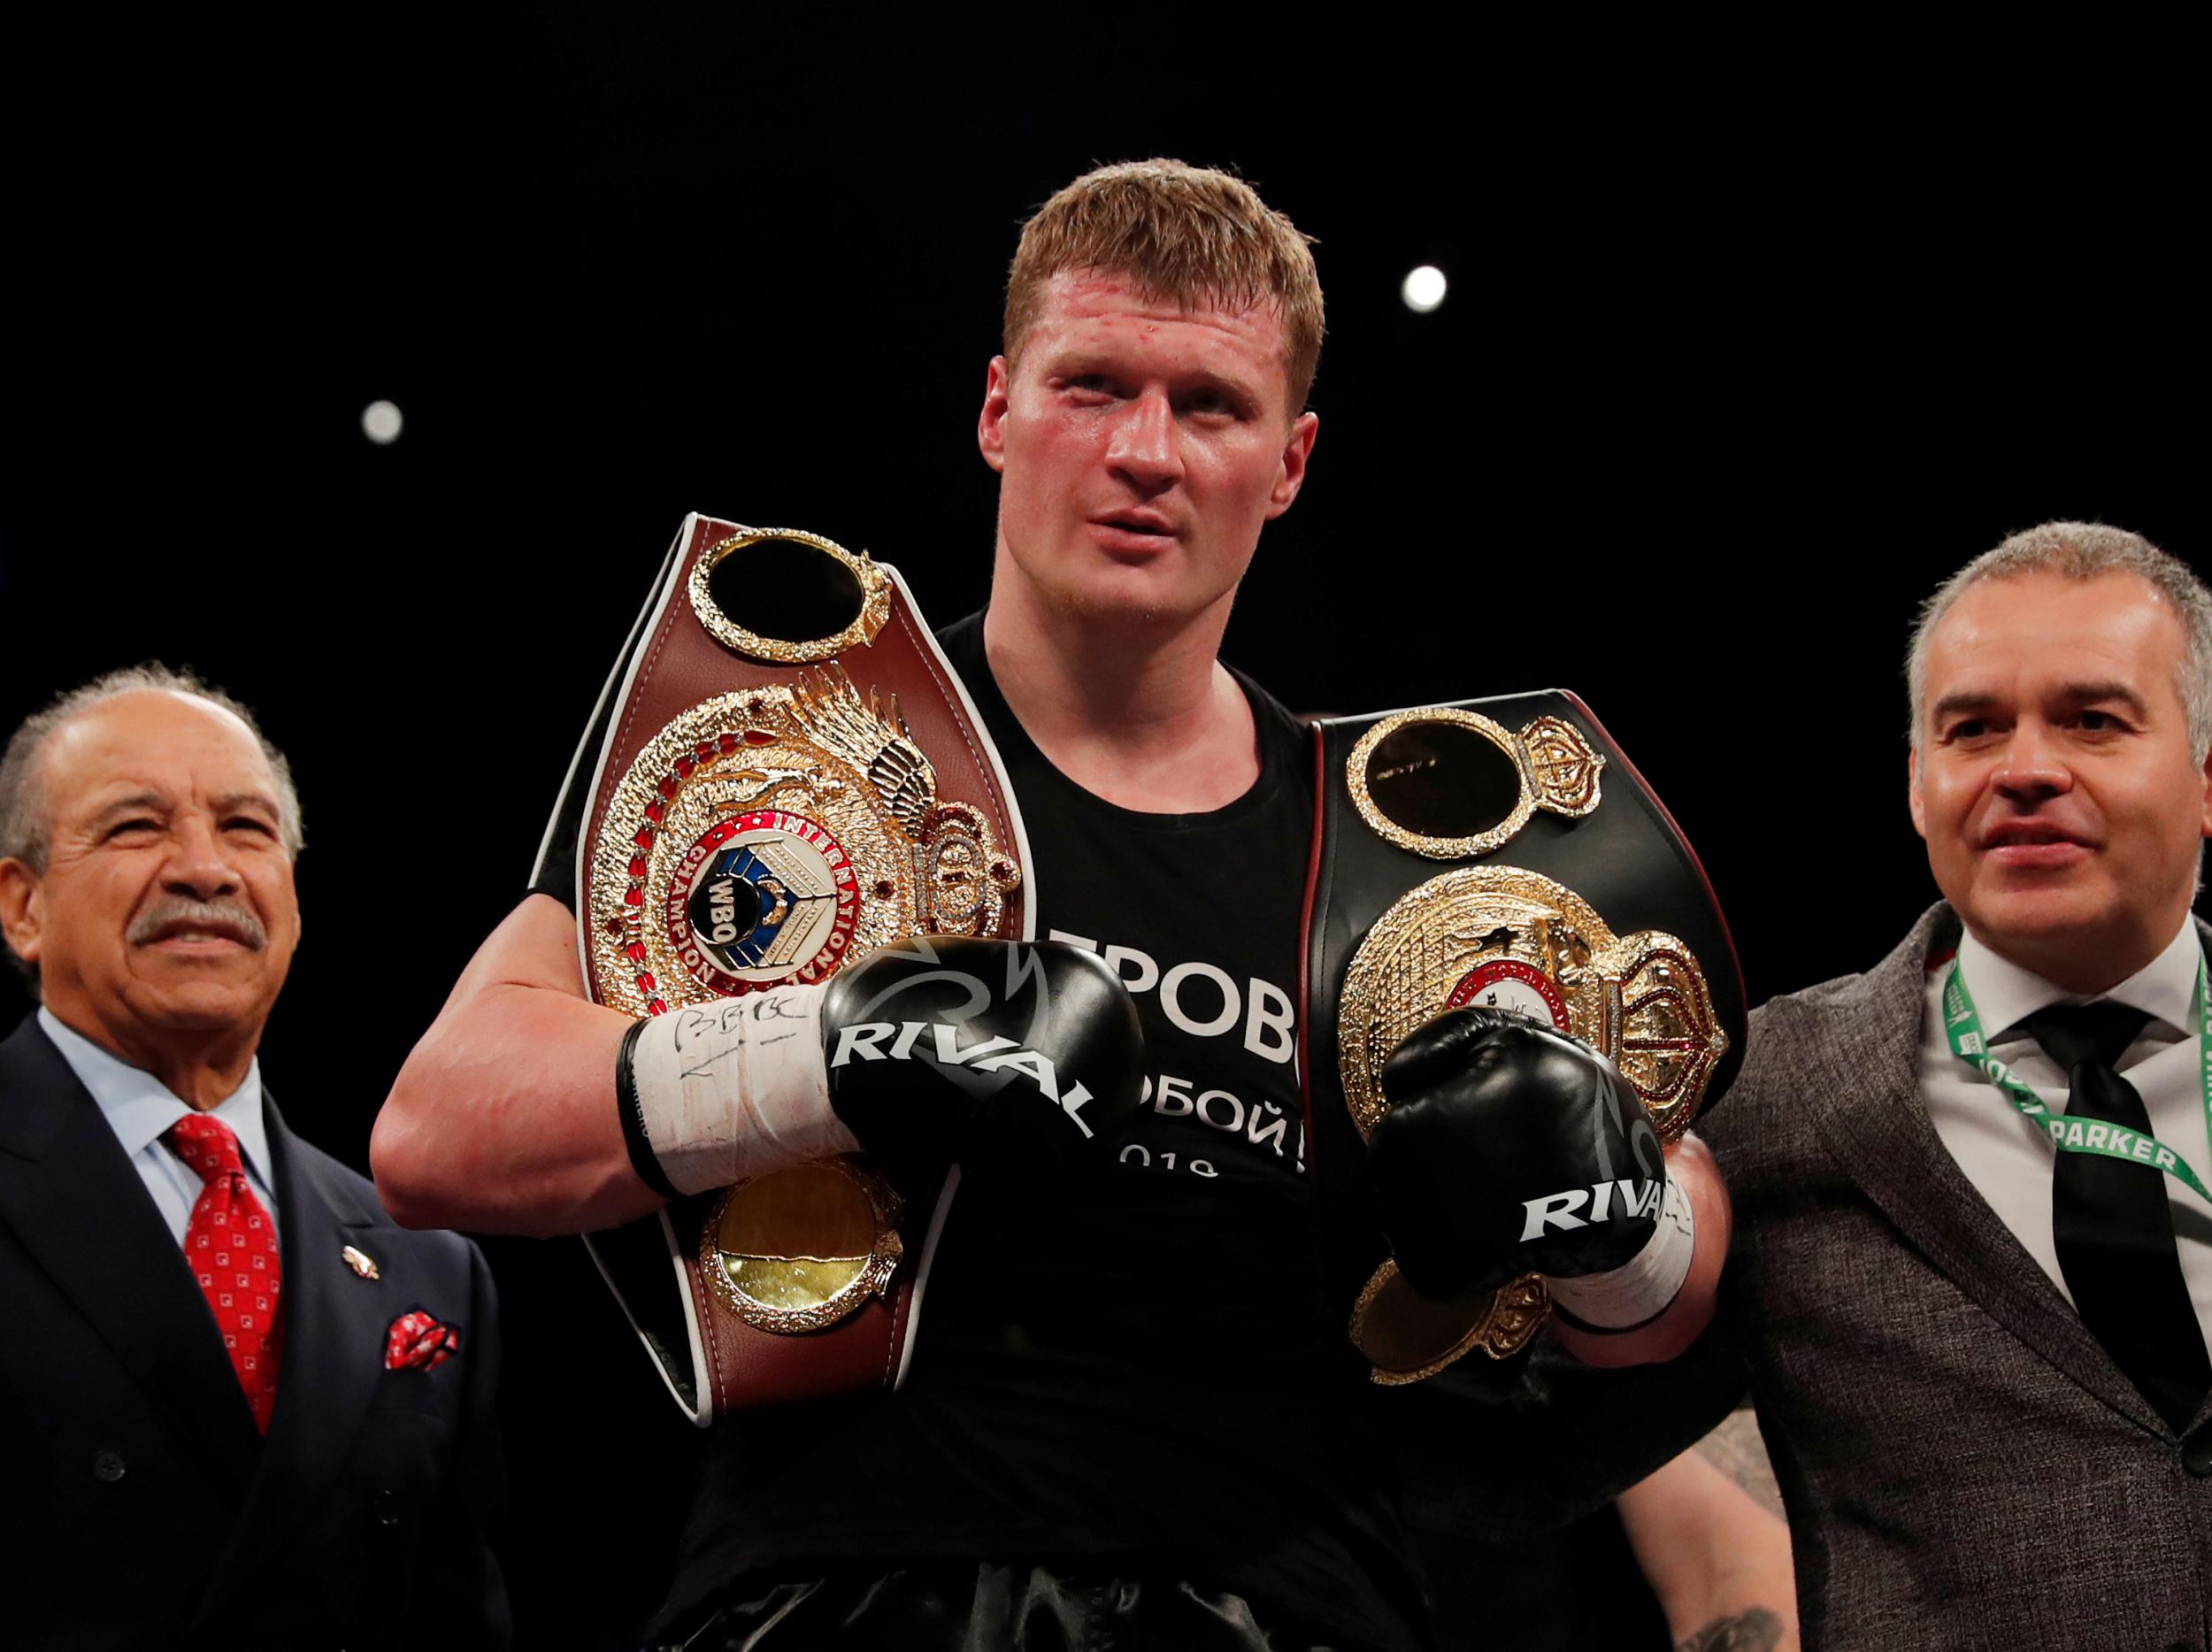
(784, 774)
(1504, 853)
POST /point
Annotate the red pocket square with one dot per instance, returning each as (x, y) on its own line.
(420, 1340)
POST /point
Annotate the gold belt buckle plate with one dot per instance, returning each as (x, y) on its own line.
(798, 1250)
(1515, 940)
(767, 834)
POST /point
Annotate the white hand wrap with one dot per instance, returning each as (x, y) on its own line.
(736, 1088)
(1640, 1288)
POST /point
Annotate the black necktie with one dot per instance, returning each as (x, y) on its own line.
(2114, 1227)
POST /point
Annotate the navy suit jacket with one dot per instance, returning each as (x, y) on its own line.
(141, 1508)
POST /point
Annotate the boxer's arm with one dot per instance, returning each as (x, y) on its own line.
(1690, 1164)
(1717, 1560)
(504, 1118)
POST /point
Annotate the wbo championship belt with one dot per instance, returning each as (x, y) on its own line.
(1503, 853)
(782, 774)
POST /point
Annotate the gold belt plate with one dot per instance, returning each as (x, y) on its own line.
(870, 596)
(800, 1248)
(1553, 765)
(765, 835)
(1512, 939)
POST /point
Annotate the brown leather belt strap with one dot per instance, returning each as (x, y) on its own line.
(713, 695)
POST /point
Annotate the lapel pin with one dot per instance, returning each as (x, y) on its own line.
(360, 1262)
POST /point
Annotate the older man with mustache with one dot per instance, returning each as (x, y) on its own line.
(240, 1407)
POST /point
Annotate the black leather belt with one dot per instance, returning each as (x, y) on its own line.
(1503, 852)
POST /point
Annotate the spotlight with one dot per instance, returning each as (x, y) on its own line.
(1423, 289)
(381, 421)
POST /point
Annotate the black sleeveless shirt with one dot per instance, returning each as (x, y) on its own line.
(1141, 1367)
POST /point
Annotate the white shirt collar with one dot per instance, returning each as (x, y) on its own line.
(2005, 994)
(138, 1107)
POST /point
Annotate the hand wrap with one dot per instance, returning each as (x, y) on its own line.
(731, 1089)
(1023, 1055)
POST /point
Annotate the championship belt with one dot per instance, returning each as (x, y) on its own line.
(1503, 853)
(783, 774)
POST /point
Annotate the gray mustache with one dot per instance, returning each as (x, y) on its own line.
(181, 910)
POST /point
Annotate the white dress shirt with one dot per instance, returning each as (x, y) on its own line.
(138, 1107)
(2008, 1158)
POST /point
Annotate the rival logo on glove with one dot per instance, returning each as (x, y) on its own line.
(864, 1040)
(1637, 1199)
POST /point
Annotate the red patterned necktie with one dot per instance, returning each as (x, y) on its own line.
(231, 1244)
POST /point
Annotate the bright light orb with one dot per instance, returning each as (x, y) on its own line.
(1423, 289)
(381, 421)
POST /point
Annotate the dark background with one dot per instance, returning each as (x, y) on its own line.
(1737, 363)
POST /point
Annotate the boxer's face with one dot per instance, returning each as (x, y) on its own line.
(166, 909)
(1141, 449)
(2054, 782)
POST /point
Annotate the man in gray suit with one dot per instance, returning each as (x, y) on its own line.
(1973, 1263)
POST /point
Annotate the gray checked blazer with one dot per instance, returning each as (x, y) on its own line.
(1964, 1466)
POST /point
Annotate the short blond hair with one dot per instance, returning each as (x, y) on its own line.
(1185, 234)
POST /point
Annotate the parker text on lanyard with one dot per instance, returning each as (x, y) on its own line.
(1963, 1025)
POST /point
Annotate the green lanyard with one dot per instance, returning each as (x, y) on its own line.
(1963, 1027)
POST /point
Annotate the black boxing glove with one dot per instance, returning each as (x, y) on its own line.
(1511, 1148)
(979, 1050)
(984, 1048)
